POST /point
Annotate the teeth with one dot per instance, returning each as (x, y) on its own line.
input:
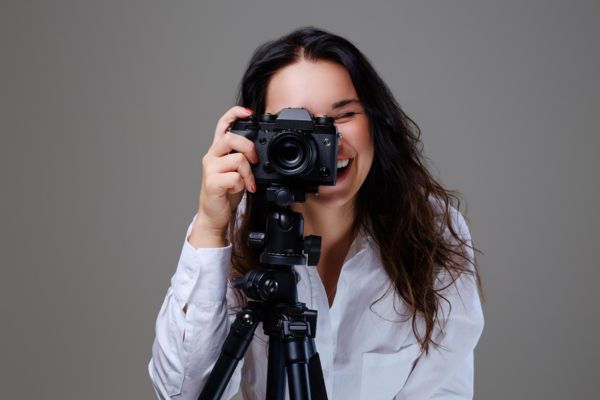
(342, 163)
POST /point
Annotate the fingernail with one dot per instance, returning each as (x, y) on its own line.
(248, 111)
(253, 188)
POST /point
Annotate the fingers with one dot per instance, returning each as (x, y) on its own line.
(236, 163)
(226, 172)
(228, 118)
(226, 165)
(232, 142)
(228, 182)
(225, 142)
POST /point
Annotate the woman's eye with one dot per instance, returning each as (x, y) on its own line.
(345, 115)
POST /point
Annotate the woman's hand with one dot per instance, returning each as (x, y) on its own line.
(226, 172)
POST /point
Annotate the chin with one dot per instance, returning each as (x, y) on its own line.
(328, 197)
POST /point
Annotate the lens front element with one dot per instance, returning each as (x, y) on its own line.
(292, 153)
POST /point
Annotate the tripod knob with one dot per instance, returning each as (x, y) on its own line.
(270, 287)
(248, 319)
(280, 195)
(312, 247)
(256, 240)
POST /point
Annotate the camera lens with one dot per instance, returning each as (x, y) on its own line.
(291, 153)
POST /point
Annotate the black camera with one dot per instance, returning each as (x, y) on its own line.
(294, 148)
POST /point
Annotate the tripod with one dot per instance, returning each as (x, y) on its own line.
(290, 325)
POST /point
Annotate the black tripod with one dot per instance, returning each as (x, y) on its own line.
(291, 326)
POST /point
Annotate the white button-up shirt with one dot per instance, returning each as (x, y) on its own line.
(365, 340)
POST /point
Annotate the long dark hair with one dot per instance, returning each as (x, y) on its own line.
(416, 237)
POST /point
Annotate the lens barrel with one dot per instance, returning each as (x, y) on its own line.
(292, 153)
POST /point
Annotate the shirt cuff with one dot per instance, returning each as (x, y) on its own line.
(202, 274)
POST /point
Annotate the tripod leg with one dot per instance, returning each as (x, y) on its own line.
(296, 355)
(234, 348)
(315, 372)
(276, 370)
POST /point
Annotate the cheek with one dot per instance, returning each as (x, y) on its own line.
(363, 141)
(357, 135)
(369, 155)
(366, 147)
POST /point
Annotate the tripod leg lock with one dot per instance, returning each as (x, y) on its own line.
(296, 329)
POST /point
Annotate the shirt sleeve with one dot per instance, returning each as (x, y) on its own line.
(446, 373)
(187, 344)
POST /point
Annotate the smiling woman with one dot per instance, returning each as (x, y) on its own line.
(396, 287)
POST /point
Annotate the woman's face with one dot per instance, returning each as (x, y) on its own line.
(325, 88)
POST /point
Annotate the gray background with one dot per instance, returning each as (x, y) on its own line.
(107, 108)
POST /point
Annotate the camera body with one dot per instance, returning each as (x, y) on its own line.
(294, 148)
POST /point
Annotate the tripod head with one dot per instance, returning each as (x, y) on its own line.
(283, 240)
(283, 247)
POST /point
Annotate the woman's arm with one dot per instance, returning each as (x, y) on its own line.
(192, 324)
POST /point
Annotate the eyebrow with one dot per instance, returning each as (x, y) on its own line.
(342, 103)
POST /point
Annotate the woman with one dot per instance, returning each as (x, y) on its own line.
(396, 288)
